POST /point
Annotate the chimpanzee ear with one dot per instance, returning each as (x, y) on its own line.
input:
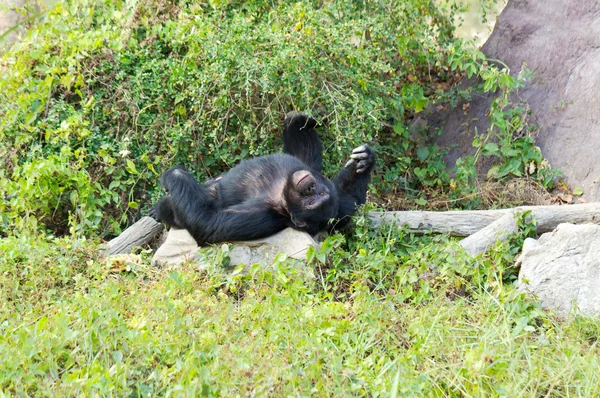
(297, 223)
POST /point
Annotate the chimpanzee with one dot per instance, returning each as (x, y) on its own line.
(266, 194)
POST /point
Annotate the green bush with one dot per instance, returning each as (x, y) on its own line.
(102, 96)
(132, 90)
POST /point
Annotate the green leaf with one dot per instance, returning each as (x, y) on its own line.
(420, 104)
(117, 356)
(493, 172)
(423, 153)
(131, 167)
(510, 152)
(30, 118)
(491, 149)
(399, 128)
(41, 325)
(420, 172)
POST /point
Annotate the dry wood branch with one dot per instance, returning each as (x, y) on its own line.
(138, 234)
(501, 229)
(468, 222)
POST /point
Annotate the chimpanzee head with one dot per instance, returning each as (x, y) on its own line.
(311, 200)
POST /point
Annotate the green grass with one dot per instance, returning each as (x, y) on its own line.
(72, 325)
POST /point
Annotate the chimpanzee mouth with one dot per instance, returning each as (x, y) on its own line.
(313, 202)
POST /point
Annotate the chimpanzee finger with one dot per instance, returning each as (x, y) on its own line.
(362, 166)
(361, 155)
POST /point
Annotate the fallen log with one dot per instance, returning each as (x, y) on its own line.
(138, 234)
(455, 222)
(470, 223)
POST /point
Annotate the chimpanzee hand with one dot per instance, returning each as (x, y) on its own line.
(362, 160)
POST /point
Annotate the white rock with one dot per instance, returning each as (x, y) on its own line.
(177, 248)
(563, 268)
(180, 246)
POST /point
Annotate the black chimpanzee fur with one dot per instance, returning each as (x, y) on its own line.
(264, 195)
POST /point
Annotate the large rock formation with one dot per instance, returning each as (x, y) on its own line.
(560, 43)
(9, 18)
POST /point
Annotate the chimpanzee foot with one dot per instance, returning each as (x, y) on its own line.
(153, 213)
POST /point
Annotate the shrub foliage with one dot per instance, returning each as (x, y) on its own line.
(102, 96)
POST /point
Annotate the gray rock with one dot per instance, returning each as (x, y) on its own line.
(560, 43)
(180, 247)
(562, 268)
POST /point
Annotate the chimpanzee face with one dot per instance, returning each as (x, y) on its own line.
(311, 193)
(310, 200)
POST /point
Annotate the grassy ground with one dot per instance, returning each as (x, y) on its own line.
(400, 317)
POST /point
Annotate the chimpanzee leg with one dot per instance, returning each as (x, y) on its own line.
(186, 201)
(195, 209)
(302, 141)
(164, 210)
(352, 183)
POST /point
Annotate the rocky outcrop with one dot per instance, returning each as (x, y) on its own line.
(562, 268)
(9, 18)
